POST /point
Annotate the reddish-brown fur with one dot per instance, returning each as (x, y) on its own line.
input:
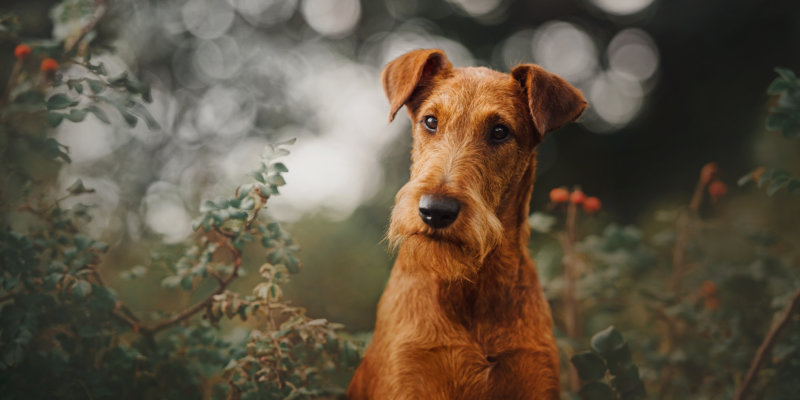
(463, 315)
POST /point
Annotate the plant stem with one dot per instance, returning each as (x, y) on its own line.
(683, 228)
(571, 306)
(766, 346)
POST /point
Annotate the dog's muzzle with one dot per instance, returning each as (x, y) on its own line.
(437, 211)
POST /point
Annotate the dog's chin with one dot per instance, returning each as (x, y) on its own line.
(447, 258)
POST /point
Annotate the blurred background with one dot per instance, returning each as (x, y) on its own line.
(671, 85)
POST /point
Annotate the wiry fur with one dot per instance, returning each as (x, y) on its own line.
(463, 315)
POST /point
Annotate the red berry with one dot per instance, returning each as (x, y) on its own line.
(591, 205)
(49, 65)
(22, 52)
(717, 189)
(577, 197)
(709, 172)
(559, 195)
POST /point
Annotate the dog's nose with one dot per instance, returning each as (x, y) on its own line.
(438, 212)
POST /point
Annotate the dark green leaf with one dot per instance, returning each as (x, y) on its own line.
(99, 113)
(119, 80)
(590, 366)
(54, 119)
(596, 391)
(777, 86)
(81, 289)
(60, 101)
(786, 74)
(95, 85)
(775, 121)
(76, 115)
(791, 129)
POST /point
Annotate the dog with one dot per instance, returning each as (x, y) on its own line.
(463, 315)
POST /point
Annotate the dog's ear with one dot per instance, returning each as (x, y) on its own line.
(553, 102)
(410, 72)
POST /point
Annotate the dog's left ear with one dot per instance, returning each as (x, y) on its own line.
(553, 102)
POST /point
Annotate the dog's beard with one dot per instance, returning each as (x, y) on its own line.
(453, 253)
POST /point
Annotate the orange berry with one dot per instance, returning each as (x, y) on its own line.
(591, 205)
(708, 288)
(577, 197)
(49, 65)
(717, 189)
(559, 195)
(22, 52)
(709, 172)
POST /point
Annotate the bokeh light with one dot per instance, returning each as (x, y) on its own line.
(565, 49)
(622, 7)
(331, 17)
(633, 54)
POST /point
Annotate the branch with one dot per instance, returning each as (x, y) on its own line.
(71, 42)
(766, 346)
(197, 307)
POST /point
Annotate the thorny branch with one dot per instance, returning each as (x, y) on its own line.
(766, 346)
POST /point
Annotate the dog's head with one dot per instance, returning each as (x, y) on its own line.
(473, 161)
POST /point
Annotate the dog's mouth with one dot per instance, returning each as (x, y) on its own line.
(436, 237)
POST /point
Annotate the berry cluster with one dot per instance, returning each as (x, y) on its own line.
(561, 195)
(49, 66)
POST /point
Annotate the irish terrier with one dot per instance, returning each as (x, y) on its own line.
(463, 315)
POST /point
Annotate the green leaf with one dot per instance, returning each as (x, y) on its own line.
(81, 289)
(596, 391)
(778, 85)
(54, 119)
(60, 101)
(119, 80)
(590, 366)
(98, 69)
(627, 379)
(95, 85)
(99, 113)
(786, 74)
(76, 115)
(791, 129)
(607, 341)
(278, 167)
(776, 121)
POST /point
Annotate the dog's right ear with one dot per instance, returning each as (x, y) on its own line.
(409, 72)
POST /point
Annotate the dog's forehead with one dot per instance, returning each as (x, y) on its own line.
(469, 83)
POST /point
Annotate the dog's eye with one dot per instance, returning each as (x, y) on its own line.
(499, 133)
(430, 123)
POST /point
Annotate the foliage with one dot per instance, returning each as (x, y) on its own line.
(706, 319)
(783, 117)
(59, 318)
(611, 356)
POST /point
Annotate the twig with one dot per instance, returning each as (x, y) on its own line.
(197, 307)
(683, 229)
(571, 312)
(766, 346)
(99, 12)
